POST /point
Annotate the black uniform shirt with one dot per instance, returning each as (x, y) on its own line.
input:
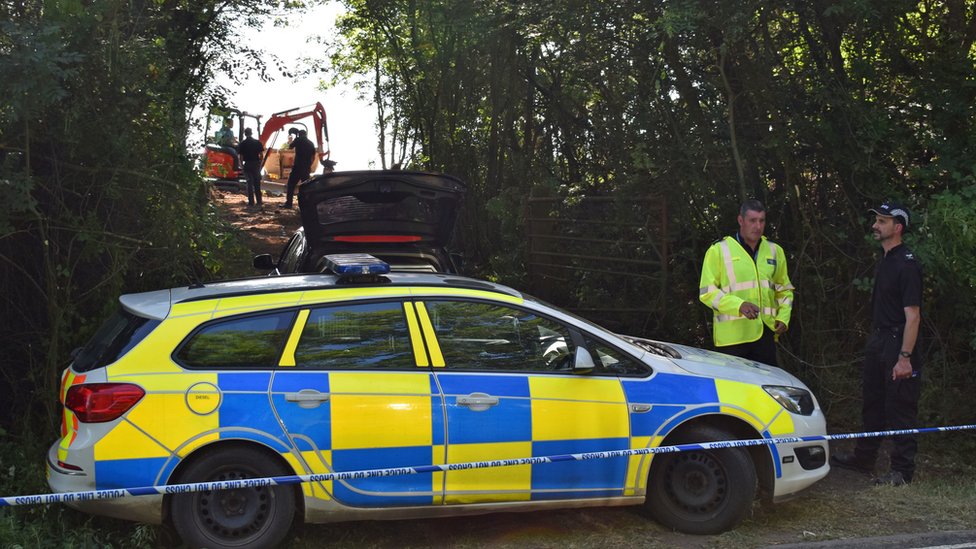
(747, 247)
(897, 284)
(304, 154)
(251, 150)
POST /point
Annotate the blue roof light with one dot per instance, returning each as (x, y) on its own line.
(356, 264)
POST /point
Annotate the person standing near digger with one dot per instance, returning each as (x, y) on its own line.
(252, 153)
(302, 169)
(292, 132)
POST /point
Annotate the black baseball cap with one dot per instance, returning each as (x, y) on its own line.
(892, 209)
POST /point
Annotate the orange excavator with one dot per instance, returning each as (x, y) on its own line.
(221, 162)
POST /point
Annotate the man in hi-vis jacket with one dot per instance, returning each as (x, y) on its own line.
(744, 282)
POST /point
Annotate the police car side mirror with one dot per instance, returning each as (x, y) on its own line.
(583, 362)
(264, 262)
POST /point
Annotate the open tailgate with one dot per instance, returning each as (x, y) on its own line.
(380, 207)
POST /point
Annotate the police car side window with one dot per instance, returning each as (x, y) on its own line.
(117, 336)
(613, 361)
(248, 342)
(490, 337)
(356, 337)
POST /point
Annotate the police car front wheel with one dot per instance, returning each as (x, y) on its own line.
(701, 491)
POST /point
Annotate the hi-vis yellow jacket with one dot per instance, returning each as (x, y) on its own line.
(730, 276)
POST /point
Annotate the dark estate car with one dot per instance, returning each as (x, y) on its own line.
(403, 218)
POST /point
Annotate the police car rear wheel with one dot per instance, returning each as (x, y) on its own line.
(248, 517)
(701, 492)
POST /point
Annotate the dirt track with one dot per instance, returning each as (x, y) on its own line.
(267, 229)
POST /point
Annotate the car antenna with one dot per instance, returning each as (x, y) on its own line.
(195, 282)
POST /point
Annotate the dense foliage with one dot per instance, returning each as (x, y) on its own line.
(100, 192)
(820, 109)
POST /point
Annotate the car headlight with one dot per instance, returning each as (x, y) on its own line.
(794, 399)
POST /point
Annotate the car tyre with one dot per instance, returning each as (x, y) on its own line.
(701, 491)
(248, 517)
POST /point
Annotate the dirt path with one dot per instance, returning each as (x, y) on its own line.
(265, 230)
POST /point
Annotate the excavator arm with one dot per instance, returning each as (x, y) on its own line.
(279, 120)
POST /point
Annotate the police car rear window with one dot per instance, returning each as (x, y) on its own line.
(248, 342)
(366, 336)
(378, 207)
(120, 333)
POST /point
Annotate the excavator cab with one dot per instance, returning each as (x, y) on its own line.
(220, 158)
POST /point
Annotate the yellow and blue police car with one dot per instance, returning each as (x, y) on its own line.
(321, 373)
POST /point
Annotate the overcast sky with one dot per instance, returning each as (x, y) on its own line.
(352, 132)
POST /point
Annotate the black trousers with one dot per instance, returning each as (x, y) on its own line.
(761, 350)
(294, 178)
(252, 174)
(888, 404)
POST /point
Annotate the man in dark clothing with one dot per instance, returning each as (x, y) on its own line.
(892, 365)
(252, 152)
(302, 169)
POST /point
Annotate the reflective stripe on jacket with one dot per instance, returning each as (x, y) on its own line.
(730, 277)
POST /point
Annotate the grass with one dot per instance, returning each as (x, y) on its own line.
(845, 505)
(40, 526)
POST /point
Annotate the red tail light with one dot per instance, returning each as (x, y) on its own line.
(68, 466)
(101, 402)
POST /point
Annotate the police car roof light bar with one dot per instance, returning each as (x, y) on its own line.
(352, 265)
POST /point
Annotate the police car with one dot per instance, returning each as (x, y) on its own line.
(321, 373)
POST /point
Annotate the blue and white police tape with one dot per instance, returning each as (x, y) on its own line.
(92, 495)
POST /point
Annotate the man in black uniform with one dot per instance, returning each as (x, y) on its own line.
(251, 152)
(302, 169)
(892, 366)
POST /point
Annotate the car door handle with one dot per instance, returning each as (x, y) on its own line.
(307, 398)
(478, 402)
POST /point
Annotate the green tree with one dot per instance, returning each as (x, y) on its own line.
(101, 195)
(820, 109)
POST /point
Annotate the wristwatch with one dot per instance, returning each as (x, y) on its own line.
(905, 354)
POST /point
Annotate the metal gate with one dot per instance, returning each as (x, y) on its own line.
(603, 257)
